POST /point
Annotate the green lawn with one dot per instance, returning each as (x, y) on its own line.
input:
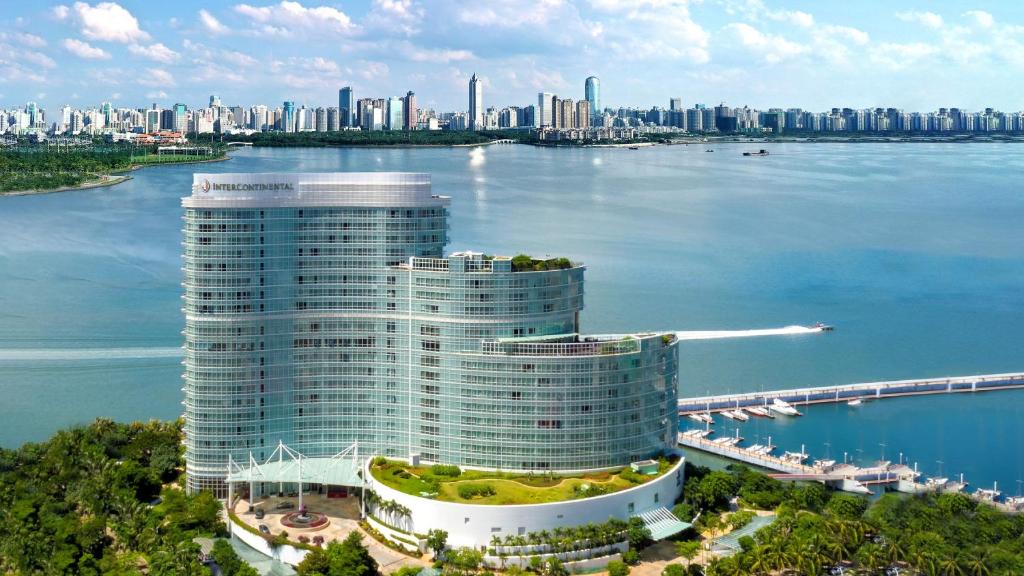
(508, 488)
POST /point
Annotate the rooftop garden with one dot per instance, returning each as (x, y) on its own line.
(452, 484)
(526, 263)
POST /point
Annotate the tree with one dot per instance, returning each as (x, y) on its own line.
(846, 506)
(437, 540)
(673, 570)
(554, 567)
(688, 549)
(463, 561)
(346, 558)
(617, 568)
(226, 557)
(638, 533)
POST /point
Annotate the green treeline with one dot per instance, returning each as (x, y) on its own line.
(376, 138)
(818, 530)
(45, 169)
(85, 502)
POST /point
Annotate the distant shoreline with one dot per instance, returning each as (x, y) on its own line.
(107, 180)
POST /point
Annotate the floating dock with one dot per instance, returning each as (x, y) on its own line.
(847, 392)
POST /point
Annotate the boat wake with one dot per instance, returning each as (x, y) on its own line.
(716, 334)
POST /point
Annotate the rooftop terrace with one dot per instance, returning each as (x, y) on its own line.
(450, 484)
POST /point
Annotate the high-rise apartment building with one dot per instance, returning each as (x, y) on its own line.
(395, 113)
(476, 103)
(288, 123)
(412, 113)
(347, 108)
(320, 311)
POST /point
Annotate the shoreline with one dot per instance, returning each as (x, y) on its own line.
(106, 180)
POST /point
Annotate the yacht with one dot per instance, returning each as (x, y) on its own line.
(758, 411)
(783, 407)
(855, 402)
(794, 457)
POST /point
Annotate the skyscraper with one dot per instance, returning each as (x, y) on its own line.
(347, 107)
(476, 103)
(675, 104)
(288, 117)
(592, 93)
(395, 116)
(180, 115)
(411, 112)
(320, 311)
(545, 110)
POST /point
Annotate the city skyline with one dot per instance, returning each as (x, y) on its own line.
(912, 55)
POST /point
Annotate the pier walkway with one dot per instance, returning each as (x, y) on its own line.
(847, 392)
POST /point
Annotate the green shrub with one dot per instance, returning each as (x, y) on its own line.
(446, 470)
(470, 491)
(618, 568)
(379, 461)
(631, 557)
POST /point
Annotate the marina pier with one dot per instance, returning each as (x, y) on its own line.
(852, 392)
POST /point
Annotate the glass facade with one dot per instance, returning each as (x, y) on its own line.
(319, 311)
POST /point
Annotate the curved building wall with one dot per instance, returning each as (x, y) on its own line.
(475, 524)
(319, 311)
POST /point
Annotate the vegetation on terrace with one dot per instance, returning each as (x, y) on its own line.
(449, 484)
(525, 263)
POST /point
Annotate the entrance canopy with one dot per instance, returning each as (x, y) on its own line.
(287, 465)
(663, 523)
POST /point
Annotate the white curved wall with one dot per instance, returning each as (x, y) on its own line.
(474, 524)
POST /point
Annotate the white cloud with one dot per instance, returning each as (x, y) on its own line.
(238, 58)
(156, 78)
(511, 14)
(210, 22)
(39, 59)
(440, 55)
(84, 49)
(928, 19)
(158, 94)
(981, 18)
(771, 48)
(284, 18)
(155, 52)
(371, 70)
(30, 40)
(60, 12)
(848, 33)
(898, 56)
(108, 21)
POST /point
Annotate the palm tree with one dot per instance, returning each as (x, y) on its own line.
(977, 561)
(950, 567)
(496, 543)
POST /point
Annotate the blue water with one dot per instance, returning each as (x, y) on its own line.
(914, 252)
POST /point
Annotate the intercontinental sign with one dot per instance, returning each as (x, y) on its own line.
(249, 187)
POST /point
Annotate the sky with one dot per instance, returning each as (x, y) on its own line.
(916, 55)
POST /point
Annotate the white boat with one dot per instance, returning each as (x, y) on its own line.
(794, 457)
(936, 483)
(738, 413)
(758, 411)
(756, 448)
(855, 402)
(783, 407)
(732, 441)
(1015, 502)
(729, 414)
(988, 495)
(696, 417)
(824, 464)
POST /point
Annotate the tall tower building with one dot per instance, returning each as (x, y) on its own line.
(347, 108)
(288, 116)
(320, 311)
(592, 94)
(395, 113)
(412, 114)
(476, 104)
(545, 110)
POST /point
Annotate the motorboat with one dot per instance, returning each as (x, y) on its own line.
(758, 411)
(855, 402)
(761, 152)
(782, 407)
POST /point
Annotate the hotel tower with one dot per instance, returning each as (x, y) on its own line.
(321, 310)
